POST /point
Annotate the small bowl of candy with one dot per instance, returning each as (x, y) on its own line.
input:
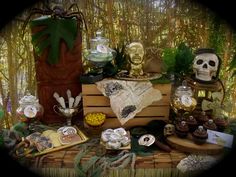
(95, 119)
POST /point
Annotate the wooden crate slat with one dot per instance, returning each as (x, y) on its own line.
(148, 111)
(137, 121)
(91, 89)
(96, 100)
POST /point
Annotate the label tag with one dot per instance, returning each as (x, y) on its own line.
(30, 111)
(186, 100)
(220, 138)
(102, 48)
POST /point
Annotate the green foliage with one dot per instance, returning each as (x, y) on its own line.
(121, 58)
(169, 59)
(178, 61)
(216, 36)
(54, 30)
(120, 62)
(21, 129)
(183, 59)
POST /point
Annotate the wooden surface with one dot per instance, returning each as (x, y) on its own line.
(65, 159)
(94, 101)
(187, 145)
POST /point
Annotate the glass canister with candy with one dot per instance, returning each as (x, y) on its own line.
(29, 109)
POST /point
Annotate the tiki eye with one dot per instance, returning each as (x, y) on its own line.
(200, 61)
(212, 63)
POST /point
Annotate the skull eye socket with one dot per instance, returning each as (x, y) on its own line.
(199, 62)
(212, 63)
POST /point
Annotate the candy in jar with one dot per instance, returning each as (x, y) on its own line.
(29, 108)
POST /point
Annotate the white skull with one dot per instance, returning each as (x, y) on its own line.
(169, 129)
(205, 66)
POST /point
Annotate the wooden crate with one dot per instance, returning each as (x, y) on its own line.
(94, 101)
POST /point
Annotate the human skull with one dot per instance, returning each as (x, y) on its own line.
(169, 129)
(205, 66)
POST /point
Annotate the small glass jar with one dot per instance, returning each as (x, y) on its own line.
(29, 108)
(183, 100)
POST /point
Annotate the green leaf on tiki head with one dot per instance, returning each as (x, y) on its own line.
(53, 31)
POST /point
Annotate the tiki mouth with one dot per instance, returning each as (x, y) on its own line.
(136, 60)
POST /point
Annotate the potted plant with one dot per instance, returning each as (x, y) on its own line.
(177, 62)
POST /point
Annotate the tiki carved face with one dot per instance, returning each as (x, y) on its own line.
(135, 51)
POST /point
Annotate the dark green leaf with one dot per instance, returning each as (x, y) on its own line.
(51, 35)
(184, 59)
(169, 59)
(121, 58)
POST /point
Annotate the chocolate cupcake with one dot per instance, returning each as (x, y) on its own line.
(221, 124)
(192, 123)
(182, 129)
(210, 125)
(202, 118)
(200, 135)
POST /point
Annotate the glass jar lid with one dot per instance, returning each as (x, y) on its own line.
(99, 38)
(99, 43)
(183, 90)
(100, 51)
(28, 99)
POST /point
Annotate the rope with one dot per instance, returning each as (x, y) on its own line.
(100, 166)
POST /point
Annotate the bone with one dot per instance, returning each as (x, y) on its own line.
(71, 101)
(56, 96)
(68, 92)
(62, 102)
(77, 100)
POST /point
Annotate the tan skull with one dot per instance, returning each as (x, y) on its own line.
(169, 129)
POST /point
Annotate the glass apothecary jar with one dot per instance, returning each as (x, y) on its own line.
(29, 109)
(183, 100)
(100, 53)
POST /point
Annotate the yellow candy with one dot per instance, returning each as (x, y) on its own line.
(95, 119)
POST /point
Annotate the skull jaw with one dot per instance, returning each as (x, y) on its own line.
(204, 75)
